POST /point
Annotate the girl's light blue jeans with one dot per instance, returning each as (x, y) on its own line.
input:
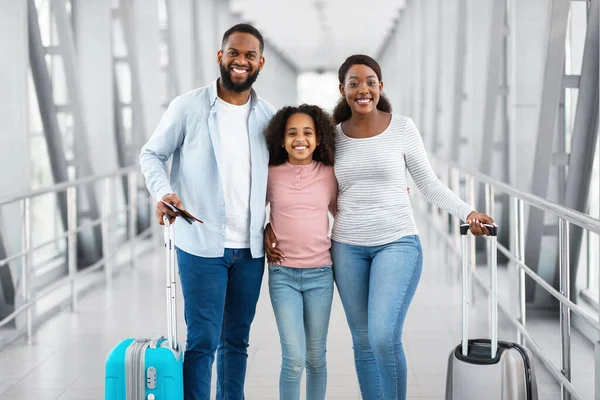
(301, 299)
(376, 285)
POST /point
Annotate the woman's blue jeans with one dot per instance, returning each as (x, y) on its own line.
(376, 285)
(301, 299)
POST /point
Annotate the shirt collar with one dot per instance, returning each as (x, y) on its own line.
(302, 168)
(212, 91)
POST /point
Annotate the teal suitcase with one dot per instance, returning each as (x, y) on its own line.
(149, 369)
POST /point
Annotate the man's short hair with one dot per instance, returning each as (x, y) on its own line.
(243, 28)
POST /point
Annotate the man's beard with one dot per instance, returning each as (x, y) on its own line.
(230, 85)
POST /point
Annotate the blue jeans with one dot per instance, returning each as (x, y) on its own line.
(220, 296)
(376, 285)
(301, 299)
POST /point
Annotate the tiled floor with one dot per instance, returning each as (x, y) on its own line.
(67, 359)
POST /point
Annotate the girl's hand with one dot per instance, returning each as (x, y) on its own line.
(476, 220)
(274, 255)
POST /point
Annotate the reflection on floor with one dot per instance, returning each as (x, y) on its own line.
(67, 359)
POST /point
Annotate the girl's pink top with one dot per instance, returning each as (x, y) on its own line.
(300, 197)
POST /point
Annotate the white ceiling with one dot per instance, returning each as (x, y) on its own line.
(320, 34)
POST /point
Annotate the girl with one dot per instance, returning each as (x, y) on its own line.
(301, 189)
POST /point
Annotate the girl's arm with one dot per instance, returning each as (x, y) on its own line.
(334, 194)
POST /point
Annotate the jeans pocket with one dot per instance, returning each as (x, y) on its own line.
(325, 269)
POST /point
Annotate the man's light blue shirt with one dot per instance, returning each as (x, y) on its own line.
(189, 132)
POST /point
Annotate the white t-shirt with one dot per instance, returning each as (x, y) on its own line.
(232, 121)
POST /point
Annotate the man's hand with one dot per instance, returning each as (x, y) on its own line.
(274, 255)
(476, 220)
(161, 209)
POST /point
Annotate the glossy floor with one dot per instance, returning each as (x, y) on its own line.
(67, 358)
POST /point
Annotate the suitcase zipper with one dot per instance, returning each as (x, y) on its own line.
(135, 358)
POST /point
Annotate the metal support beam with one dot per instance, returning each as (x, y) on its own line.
(551, 92)
(504, 126)
(119, 126)
(93, 38)
(207, 68)
(422, 15)
(459, 79)
(196, 45)
(7, 286)
(15, 140)
(138, 125)
(172, 69)
(181, 15)
(597, 370)
(43, 89)
(585, 135)
(69, 59)
(413, 67)
(403, 50)
(437, 97)
(89, 242)
(137, 22)
(221, 18)
(494, 82)
(492, 87)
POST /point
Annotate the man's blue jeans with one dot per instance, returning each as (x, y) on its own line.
(220, 296)
(376, 285)
(301, 299)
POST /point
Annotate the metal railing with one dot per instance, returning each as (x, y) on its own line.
(108, 214)
(451, 174)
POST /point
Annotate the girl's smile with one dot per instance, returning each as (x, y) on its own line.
(300, 140)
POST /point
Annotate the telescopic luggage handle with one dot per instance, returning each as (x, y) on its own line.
(171, 284)
(493, 301)
(464, 229)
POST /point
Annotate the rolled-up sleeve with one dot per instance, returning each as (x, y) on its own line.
(165, 140)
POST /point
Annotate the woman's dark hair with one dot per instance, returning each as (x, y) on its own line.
(325, 132)
(342, 110)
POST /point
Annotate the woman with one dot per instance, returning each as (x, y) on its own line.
(376, 250)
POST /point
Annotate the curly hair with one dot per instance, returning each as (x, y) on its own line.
(325, 132)
(342, 110)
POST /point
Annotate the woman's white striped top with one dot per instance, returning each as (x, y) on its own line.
(373, 204)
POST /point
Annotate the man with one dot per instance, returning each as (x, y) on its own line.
(219, 175)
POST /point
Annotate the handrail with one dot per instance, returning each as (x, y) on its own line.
(516, 257)
(72, 229)
(573, 216)
(62, 282)
(58, 187)
(532, 344)
(555, 293)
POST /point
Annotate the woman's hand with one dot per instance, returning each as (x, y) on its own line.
(274, 255)
(477, 222)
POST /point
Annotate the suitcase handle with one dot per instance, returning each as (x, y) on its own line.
(171, 285)
(493, 300)
(464, 229)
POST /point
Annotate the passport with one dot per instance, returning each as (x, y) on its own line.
(187, 217)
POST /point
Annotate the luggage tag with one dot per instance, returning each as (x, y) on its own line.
(187, 217)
